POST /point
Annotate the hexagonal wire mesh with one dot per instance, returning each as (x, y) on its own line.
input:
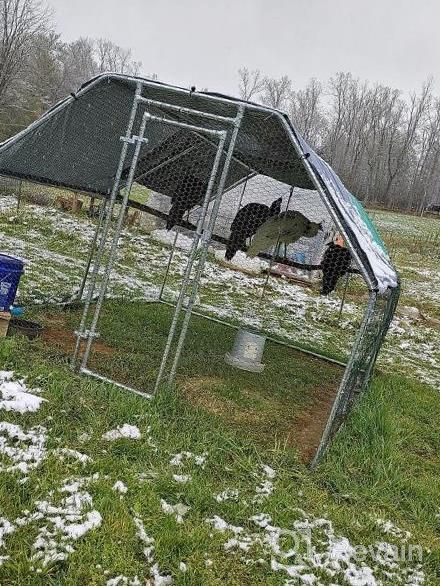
(224, 174)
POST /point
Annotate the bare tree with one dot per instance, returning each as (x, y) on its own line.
(386, 148)
(338, 90)
(276, 92)
(251, 83)
(40, 76)
(111, 57)
(305, 111)
(77, 64)
(423, 187)
(399, 150)
(20, 22)
(384, 115)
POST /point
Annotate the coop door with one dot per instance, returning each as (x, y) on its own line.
(173, 170)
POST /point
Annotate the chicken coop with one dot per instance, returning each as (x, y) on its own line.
(243, 208)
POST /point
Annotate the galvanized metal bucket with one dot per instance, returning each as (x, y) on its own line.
(247, 351)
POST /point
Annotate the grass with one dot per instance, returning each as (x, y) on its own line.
(57, 245)
(394, 468)
(131, 342)
(383, 464)
(413, 242)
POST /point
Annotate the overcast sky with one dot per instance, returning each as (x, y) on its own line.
(204, 42)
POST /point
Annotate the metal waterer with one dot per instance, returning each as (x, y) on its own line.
(247, 351)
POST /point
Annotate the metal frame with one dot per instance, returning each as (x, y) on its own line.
(82, 333)
(186, 281)
(376, 318)
(198, 252)
(92, 249)
(345, 390)
(327, 197)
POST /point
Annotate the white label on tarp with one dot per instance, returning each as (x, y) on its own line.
(4, 288)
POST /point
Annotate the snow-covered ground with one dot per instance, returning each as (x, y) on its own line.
(308, 550)
(54, 246)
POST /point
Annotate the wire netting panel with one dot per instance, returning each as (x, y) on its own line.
(77, 146)
(277, 261)
(52, 230)
(177, 162)
(378, 316)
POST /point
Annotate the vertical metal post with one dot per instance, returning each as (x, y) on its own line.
(191, 258)
(269, 270)
(287, 208)
(92, 250)
(112, 254)
(387, 316)
(205, 242)
(243, 191)
(105, 230)
(292, 187)
(170, 258)
(19, 194)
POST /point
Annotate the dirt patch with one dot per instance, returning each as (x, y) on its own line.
(57, 333)
(56, 320)
(309, 425)
(201, 393)
(295, 425)
(65, 340)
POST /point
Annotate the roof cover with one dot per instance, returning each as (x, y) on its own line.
(77, 145)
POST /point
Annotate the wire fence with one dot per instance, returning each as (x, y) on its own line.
(238, 227)
(52, 230)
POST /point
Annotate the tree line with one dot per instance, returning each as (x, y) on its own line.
(385, 146)
(37, 68)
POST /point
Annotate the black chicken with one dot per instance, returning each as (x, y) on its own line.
(335, 264)
(191, 192)
(246, 223)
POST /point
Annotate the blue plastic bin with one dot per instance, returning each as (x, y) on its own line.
(11, 270)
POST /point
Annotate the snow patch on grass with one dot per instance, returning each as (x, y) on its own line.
(123, 581)
(158, 578)
(68, 522)
(64, 453)
(179, 510)
(182, 478)
(266, 487)
(230, 494)
(119, 486)
(389, 527)
(123, 431)
(182, 457)
(15, 395)
(23, 450)
(168, 236)
(6, 528)
(60, 523)
(316, 551)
